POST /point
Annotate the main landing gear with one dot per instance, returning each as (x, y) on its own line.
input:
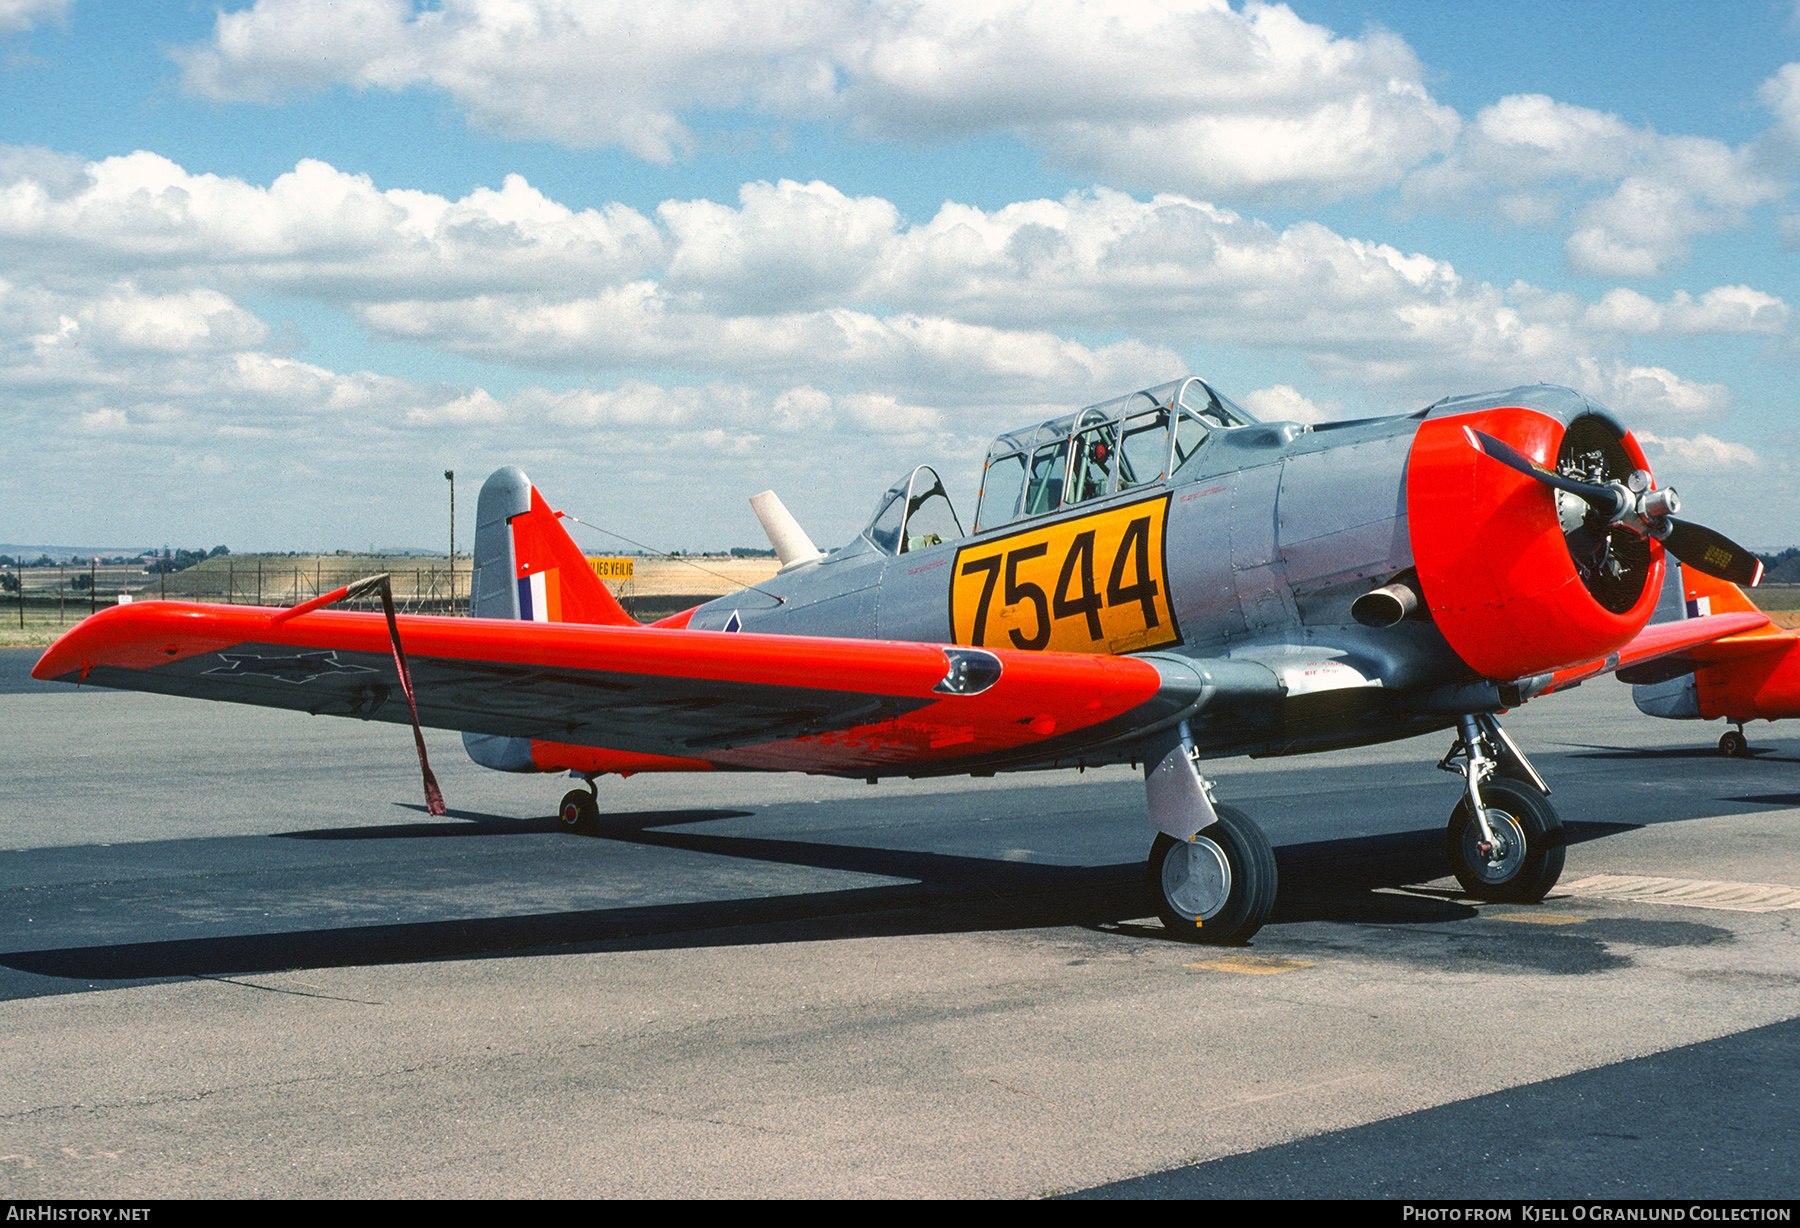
(1733, 744)
(1211, 870)
(1504, 840)
(580, 811)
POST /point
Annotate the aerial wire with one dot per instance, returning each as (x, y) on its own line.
(680, 558)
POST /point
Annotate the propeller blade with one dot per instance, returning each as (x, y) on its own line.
(1712, 552)
(1603, 499)
(1695, 545)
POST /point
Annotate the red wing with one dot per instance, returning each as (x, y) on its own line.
(1661, 640)
(1706, 594)
(736, 700)
(1753, 643)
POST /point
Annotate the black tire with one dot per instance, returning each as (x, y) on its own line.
(1236, 891)
(579, 813)
(1733, 745)
(1532, 860)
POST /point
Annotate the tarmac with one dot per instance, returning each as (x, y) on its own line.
(237, 959)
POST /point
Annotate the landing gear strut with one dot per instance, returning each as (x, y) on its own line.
(1504, 840)
(580, 811)
(1211, 870)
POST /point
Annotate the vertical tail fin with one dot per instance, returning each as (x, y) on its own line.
(1688, 592)
(1706, 594)
(526, 566)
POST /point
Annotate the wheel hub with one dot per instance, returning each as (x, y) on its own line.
(1196, 878)
(1499, 861)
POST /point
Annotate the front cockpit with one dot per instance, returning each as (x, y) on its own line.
(1107, 448)
(914, 513)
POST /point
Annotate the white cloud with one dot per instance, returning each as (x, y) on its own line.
(785, 245)
(1192, 96)
(585, 75)
(637, 326)
(1285, 403)
(315, 229)
(1655, 393)
(969, 306)
(1635, 198)
(1780, 94)
(194, 321)
(1700, 453)
(772, 338)
(1186, 94)
(1724, 309)
(20, 15)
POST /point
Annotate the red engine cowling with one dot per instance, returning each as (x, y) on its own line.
(1513, 588)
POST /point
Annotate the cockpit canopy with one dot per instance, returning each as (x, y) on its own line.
(1101, 450)
(913, 514)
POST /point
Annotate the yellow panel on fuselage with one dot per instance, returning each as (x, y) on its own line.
(1094, 583)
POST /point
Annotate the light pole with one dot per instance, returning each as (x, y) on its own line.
(450, 477)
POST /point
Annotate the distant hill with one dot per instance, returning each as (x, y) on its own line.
(63, 554)
(1782, 568)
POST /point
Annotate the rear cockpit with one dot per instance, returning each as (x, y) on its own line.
(1106, 448)
(1119, 445)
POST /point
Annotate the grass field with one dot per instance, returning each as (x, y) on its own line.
(1773, 597)
(39, 628)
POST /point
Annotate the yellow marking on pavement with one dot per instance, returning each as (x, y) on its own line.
(1254, 965)
(1539, 918)
(1690, 893)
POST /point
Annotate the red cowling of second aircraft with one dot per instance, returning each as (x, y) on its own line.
(1494, 568)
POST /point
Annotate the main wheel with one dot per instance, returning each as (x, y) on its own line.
(579, 813)
(1218, 887)
(1527, 856)
(1733, 745)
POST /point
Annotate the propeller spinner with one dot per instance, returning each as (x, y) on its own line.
(1633, 506)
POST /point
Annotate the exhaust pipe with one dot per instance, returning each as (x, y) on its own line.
(1385, 606)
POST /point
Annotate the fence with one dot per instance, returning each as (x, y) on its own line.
(61, 595)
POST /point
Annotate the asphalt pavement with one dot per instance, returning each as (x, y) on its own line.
(238, 959)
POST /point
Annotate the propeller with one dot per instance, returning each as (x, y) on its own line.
(1712, 552)
(1634, 506)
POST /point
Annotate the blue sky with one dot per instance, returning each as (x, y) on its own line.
(267, 270)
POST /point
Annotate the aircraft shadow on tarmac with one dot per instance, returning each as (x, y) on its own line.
(475, 823)
(1709, 754)
(1344, 881)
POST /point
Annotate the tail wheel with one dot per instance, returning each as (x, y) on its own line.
(1527, 855)
(1733, 745)
(1218, 887)
(579, 812)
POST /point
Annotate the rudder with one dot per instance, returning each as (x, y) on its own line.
(526, 565)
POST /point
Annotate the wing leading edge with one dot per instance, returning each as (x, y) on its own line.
(1657, 641)
(615, 698)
